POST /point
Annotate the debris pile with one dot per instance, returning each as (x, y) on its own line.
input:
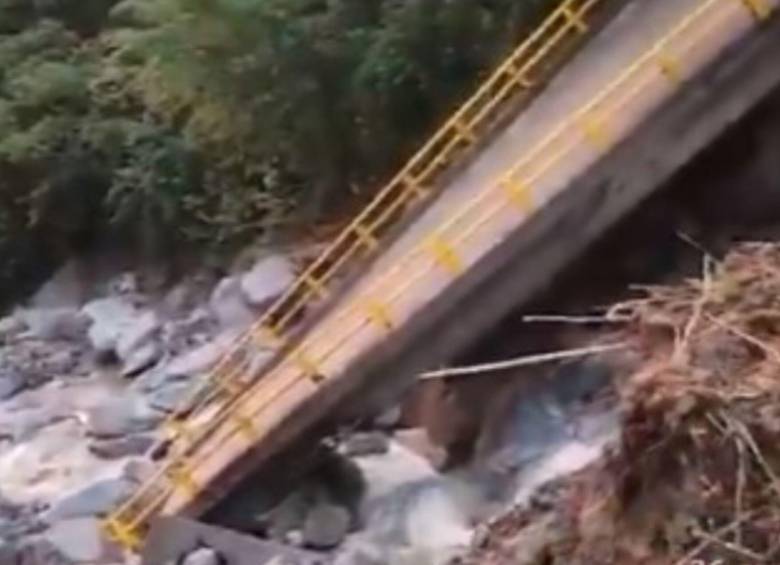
(695, 476)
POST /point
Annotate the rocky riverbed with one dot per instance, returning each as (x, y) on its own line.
(86, 377)
(84, 382)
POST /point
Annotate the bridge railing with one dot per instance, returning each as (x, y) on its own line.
(588, 126)
(363, 236)
(520, 72)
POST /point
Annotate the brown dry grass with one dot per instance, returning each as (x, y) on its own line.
(695, 478)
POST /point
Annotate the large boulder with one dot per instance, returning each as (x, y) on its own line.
(267, 280)
(82, 541)
(120, 417)
(111, 317)
(96, 499)
(326, 526)
(199, 360)
(139, 331)
(142, 359)
(119, 330)
(118, 448)
(174, 394)
(230, 306)
(182, 334)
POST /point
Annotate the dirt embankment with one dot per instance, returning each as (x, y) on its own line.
(695, 477)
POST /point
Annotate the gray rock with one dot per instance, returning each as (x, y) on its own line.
(174, 394)
(11, 382)
(149, 381)
(325, 526)
(138, 332)
(56, 323)
(202, 556)
(196, 361)
(138, 470)
(191, 364)
(117, 448)
(110, 318)
(229, 304)
(82, 541)
(96, 499)
(26, 423)
(198, 328)
(120, 417)
(365, 443)
(267, 280)
(141, 359)
(289, 515)
(64, 362)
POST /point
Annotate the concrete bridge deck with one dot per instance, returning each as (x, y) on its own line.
(656, 85)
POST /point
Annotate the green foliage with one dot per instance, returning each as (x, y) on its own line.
(338, 91)
(48, 85)
(211, 121)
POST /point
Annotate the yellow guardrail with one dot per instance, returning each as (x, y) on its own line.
(413, 183)
(588, 125)
(520, 72)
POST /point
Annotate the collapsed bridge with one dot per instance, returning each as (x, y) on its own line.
(587, 117)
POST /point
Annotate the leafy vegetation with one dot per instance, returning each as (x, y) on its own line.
(159, 122)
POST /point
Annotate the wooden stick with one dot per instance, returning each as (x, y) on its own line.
(681, 346)
(557, 319)
(525, 361)
(705, 543)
